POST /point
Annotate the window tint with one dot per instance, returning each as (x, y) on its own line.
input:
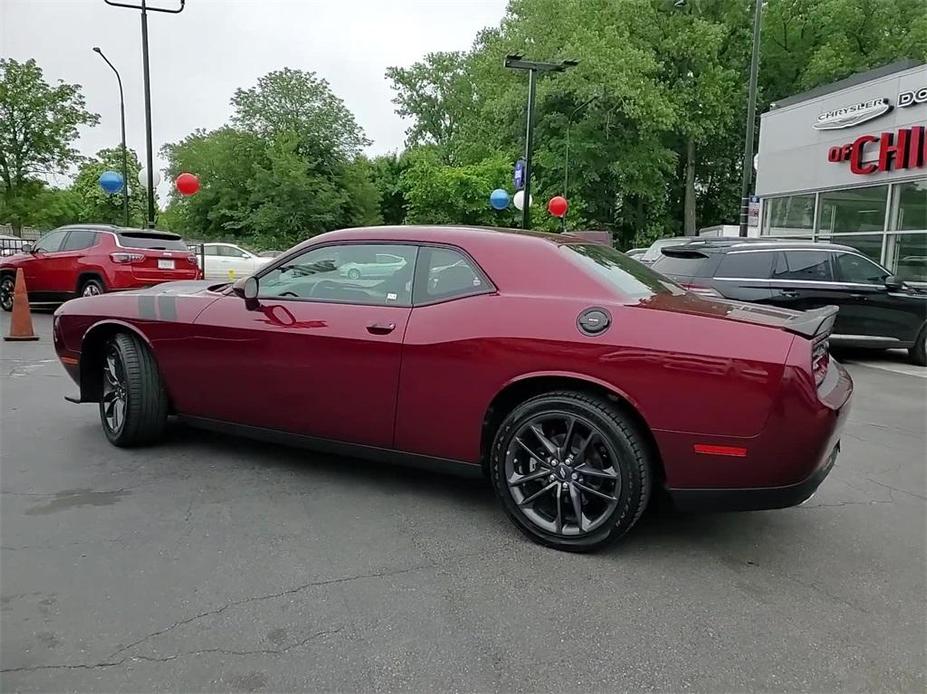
(855, 268)
(450, 274)
(351, 273)
(813, 266)
(51, 242)
(162, 241)
(78, 240)
(684, 265)
(746, 265)
(629, 277)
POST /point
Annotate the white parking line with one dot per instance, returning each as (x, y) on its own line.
(903, 369)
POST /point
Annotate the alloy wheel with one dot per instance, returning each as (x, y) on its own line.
(91, 289)
(115, 396)
(7, 287)
(562, 473)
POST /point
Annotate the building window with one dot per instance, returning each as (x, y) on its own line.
(907, 256)
(788, 216)
(910, 206)
(852, 210)
(870, 245)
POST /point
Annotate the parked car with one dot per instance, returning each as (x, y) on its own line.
(226, 261)
(379, 265)
(269, 254)
(877, 309)
(84, 260)
(653, 251)
(578, 380)
(635, 252)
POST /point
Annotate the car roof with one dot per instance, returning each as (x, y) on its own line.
(723, 245)
(118, 230)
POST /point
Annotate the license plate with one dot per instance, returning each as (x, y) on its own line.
(167, 264)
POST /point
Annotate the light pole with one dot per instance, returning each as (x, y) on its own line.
(747, 164)
(122, 123)
(143, 7)
(516, 62)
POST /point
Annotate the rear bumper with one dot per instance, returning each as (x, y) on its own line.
(756, 499)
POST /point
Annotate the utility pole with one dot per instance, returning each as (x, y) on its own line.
(751, 118)
(516, 62)
(122, 123)
(149, 157)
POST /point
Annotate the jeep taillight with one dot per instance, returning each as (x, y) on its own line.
(820, 358)
(126, 257)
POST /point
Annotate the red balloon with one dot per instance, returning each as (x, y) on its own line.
(558, 206)
(187, 184)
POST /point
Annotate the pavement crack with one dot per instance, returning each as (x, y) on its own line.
(896, 489)
(269, 596)
(175, 656)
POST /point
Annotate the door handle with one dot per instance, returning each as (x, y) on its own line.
(380, 328)
(790, 293)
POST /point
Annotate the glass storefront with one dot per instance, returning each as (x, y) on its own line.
(887, 223)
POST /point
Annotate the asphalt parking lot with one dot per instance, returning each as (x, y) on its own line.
(209, 563)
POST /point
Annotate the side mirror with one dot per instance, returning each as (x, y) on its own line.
(249, 289)
(894, 282)
(28, 248)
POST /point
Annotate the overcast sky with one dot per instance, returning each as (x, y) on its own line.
(199, 57)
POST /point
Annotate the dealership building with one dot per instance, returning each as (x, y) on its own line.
(847, 163)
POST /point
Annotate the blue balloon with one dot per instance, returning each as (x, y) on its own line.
(111, 181)
(499, 199)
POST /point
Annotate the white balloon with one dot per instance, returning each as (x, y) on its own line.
(519, 200)
(143, 178)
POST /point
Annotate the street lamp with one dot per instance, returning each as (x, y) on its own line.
(148, 155)
(516, 62)
(747, 164)
(122, 122)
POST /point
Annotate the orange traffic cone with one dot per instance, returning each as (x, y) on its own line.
(21, 323)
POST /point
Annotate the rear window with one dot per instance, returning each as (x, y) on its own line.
(160, 242)
(684, 264)
(625, 274)
(746, 265)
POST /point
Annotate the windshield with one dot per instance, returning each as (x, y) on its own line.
(625, 274)
(164, 242)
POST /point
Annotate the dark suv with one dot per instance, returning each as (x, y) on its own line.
(877, 309)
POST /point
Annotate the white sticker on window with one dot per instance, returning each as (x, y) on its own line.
(392, 296)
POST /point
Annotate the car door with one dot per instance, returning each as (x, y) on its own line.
(68, 263)
(316, 353)
(42, 269)
(744, 275)
(867, 307)
(803, 279)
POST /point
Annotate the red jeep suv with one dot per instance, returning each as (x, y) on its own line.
(83, 260)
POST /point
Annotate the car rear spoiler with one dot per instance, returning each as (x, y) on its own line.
(814, 323)
(682, 252)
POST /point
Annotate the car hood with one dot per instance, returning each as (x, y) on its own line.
(726, 309)
(176, 288)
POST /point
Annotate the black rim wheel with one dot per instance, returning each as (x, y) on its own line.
(7, 287)
(115, 393)
(561, 472)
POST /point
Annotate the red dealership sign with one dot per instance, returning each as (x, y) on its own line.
(867, 154)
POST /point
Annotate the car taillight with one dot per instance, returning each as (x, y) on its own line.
(703, 291)
(191, 259)
(127, 257)
(820, 358)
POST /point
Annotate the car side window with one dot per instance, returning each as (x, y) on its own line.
(79, 240)
(51, 242)
(856, 268)
(447, 274)
(231, 252)
(210, 250)
(746, 265)
(809, 266)
(358, 273)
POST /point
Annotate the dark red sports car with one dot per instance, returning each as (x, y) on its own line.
(579, 380)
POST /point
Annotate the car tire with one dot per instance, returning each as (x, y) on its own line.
(918, 353)
(7, 289)
(133, 403)
(353, 274)
(91, 287)
(576, 474)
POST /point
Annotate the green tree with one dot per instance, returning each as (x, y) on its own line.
(96, 205)
(38, 124)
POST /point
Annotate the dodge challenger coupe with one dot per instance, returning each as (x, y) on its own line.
(578, 380)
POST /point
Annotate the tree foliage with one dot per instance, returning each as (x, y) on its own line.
(93, 204)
